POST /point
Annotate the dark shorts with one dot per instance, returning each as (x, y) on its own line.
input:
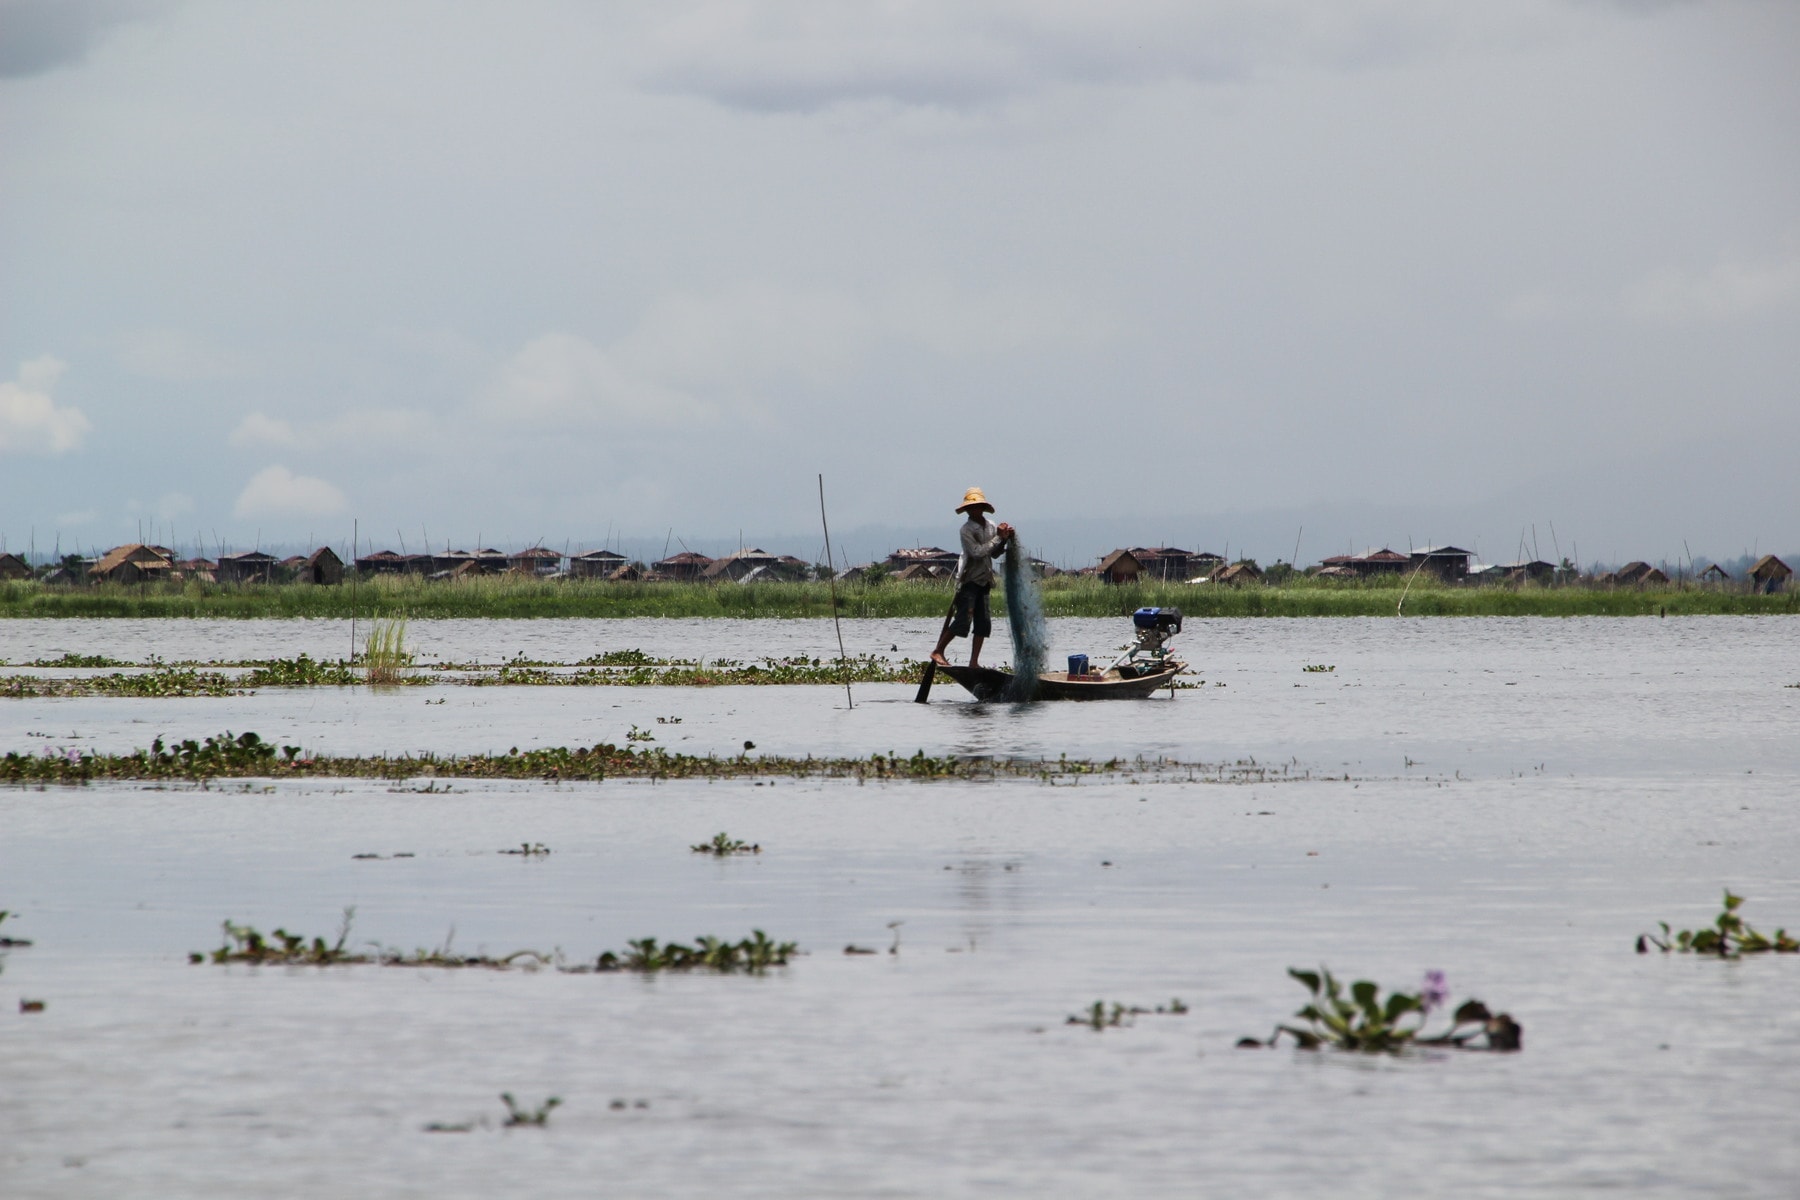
(972, 603)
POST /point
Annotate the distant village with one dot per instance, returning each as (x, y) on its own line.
(137, 563)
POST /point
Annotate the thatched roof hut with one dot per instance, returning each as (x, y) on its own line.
(1770, 574)
(13, 566)
(1121, 566)
(1238, 572)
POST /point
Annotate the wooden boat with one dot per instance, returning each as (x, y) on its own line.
(985, 683)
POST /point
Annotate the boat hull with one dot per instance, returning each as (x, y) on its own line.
(985, 683)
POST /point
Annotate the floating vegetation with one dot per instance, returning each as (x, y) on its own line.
(754, 955)
(1100, 1015)
(529, 850)
(1729, 936)
(1363, 1021)
(518, 1115)
(246, 944)
(248, 756)
(31, 1006)
(160, 682)
(7, 943)
(1318, 668)
(723, 845)
(71, 659)
(396, 667)
(385, 656)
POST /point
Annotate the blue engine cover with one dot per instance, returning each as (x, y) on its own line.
(1157, 618)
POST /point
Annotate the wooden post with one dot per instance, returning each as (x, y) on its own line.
(924, 695)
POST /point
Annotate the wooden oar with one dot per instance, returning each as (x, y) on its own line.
(931, 664)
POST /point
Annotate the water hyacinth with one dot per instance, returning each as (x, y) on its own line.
(1435, 993)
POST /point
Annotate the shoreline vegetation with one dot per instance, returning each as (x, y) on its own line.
(103, 676)
(522, 597)
(247, 756)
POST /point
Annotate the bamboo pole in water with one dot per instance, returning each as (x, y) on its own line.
(831, 571)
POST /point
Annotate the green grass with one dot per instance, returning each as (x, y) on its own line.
(1062, 597)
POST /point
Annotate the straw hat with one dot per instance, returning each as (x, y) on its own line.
(974, 499)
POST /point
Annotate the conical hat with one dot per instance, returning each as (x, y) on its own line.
(974, 499)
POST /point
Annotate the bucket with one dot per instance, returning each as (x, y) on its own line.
(1078, 665)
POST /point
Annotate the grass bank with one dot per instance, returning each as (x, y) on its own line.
(505, 596)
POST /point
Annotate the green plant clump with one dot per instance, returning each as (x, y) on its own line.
(1364, 1022)
(723, 845)
(753, 955)
(518, 1115)
(1101, 1016)
(1728, 937)
(385, 656)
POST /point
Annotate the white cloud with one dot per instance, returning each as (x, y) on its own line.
(563, 378)
(259, 429)
(278, 492)
(702, 359)
(1732, 288)
(30, 421)
(373, 428)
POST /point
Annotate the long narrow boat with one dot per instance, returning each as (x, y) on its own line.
(985, 683)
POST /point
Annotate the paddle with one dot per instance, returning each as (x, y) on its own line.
(931, 665)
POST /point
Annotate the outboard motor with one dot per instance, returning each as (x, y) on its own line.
(1155, 626)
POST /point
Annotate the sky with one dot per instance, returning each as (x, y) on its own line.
(1243, 274)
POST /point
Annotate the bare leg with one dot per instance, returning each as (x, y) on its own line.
(975, 651)
(937, 655)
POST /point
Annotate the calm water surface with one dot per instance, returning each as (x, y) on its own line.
(1523, 798)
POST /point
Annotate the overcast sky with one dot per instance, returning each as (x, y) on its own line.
(1388, 269)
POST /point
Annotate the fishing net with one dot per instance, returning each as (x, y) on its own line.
(1025, 620)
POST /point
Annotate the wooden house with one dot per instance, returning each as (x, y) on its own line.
(1770, 574)
(596, 564)
(322, 566)
(684, 566)
(926, 572)
(249, 566)
(14, 566)
(1448, 563)
(132, 563)
(1171, 564)
(382, 562)
(1240, 572)
(899, 560)
(1121, 566)
(1713, 573)
(1535, 571)
(538, 560)
(1371, 563)
(1639, 574)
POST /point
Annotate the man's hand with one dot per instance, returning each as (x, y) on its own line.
(1006, 531)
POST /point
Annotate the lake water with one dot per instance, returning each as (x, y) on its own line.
(1510, 801)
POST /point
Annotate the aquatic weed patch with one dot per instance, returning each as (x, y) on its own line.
(1100, 1016)
(160, 682)
(1363, 1021)
(1729, 936)
(248, 756)
(723, 845)
(752, 955)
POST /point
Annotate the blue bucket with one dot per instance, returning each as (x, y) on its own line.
(1078, 665)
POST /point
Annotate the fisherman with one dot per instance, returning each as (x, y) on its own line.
(982, 542)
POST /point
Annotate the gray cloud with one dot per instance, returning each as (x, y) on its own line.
(962, 55)
(41, 35)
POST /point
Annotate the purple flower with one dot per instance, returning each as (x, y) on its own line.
(1435, 993)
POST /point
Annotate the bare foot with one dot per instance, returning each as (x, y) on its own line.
(973, 665)
(939, 659)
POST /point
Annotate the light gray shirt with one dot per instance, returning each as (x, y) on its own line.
(981, 544)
